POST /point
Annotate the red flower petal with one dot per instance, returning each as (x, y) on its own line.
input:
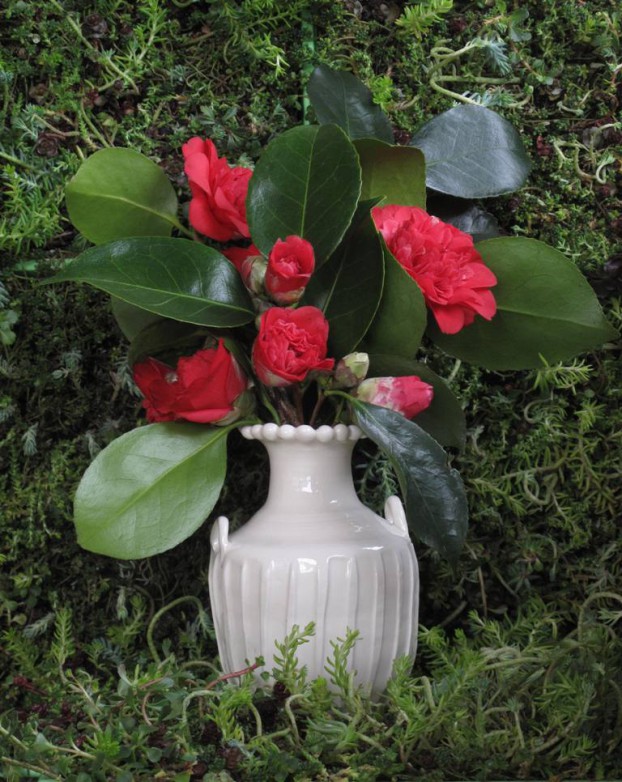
(443, 262)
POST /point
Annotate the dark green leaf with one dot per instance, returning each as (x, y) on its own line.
(348, 288)
(150, 489)
(544, 307)
(397, 173)
(175, 278)
(340, 98)
(119, 192)
(464, 216)
(401, 319)
(306, 183)
(434, 498)
(471, 152)
(166, 340)
(444, 419)
(131, 320)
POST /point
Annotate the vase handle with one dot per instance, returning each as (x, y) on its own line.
(394, 513)
(219, 536)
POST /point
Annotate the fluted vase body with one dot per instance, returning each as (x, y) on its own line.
(315, 553)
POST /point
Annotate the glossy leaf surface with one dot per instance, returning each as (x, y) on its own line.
(307, 183)
(472, 152)
(397, 173)
(340, 98)
(150, 489)
(465, 216)
(175, 278)
(166, 340)
(119, 192)
(131, 320)
(433, 493)
(348, 288)
(444, 419)
(544, 307)
(401, 319)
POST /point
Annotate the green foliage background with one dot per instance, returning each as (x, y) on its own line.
(520, 667)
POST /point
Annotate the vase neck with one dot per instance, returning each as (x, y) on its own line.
(309, 477)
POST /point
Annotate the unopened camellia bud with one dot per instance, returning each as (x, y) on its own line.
(254, 272)
(407, 395)
(351, 370)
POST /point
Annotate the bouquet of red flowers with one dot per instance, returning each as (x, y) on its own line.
(302, 295)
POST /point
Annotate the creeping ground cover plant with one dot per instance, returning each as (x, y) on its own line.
(301, 293)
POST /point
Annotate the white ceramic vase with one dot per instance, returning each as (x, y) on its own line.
(314, 552)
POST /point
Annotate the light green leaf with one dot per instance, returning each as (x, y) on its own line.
(175, 278)
(397, 173)
(471, 152)
(340, 98)
(545, 307)
(119, 192)
(444, 419)
(306, 183)
(434, 497)
(150, 489)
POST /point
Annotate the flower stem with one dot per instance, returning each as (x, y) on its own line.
(182, 228)
(343, 395)
(298, 400)
(320, 401)
(268, 404)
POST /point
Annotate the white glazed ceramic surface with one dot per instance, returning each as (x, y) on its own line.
(314, 552)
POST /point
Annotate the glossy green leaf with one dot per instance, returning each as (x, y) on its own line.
(340, 98)
(166, 340)
(545, 307)
(348, 288)
(434, 497)
(464, 216)
(307, 183)
(131, 320)
(471, 152)
(150, 489)
(397, 173)
(119, 192)
(401, 319)
(175, 278)
(444, 419)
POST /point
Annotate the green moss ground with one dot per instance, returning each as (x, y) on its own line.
(519, 672)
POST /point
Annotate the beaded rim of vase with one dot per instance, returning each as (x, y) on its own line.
(302, 434)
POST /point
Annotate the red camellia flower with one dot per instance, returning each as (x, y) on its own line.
(444, 263)
(218, 206)
(206, 387)
(290, 344)
(407, 395)
(290, 266)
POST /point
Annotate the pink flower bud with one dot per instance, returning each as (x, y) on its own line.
(407, 395)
